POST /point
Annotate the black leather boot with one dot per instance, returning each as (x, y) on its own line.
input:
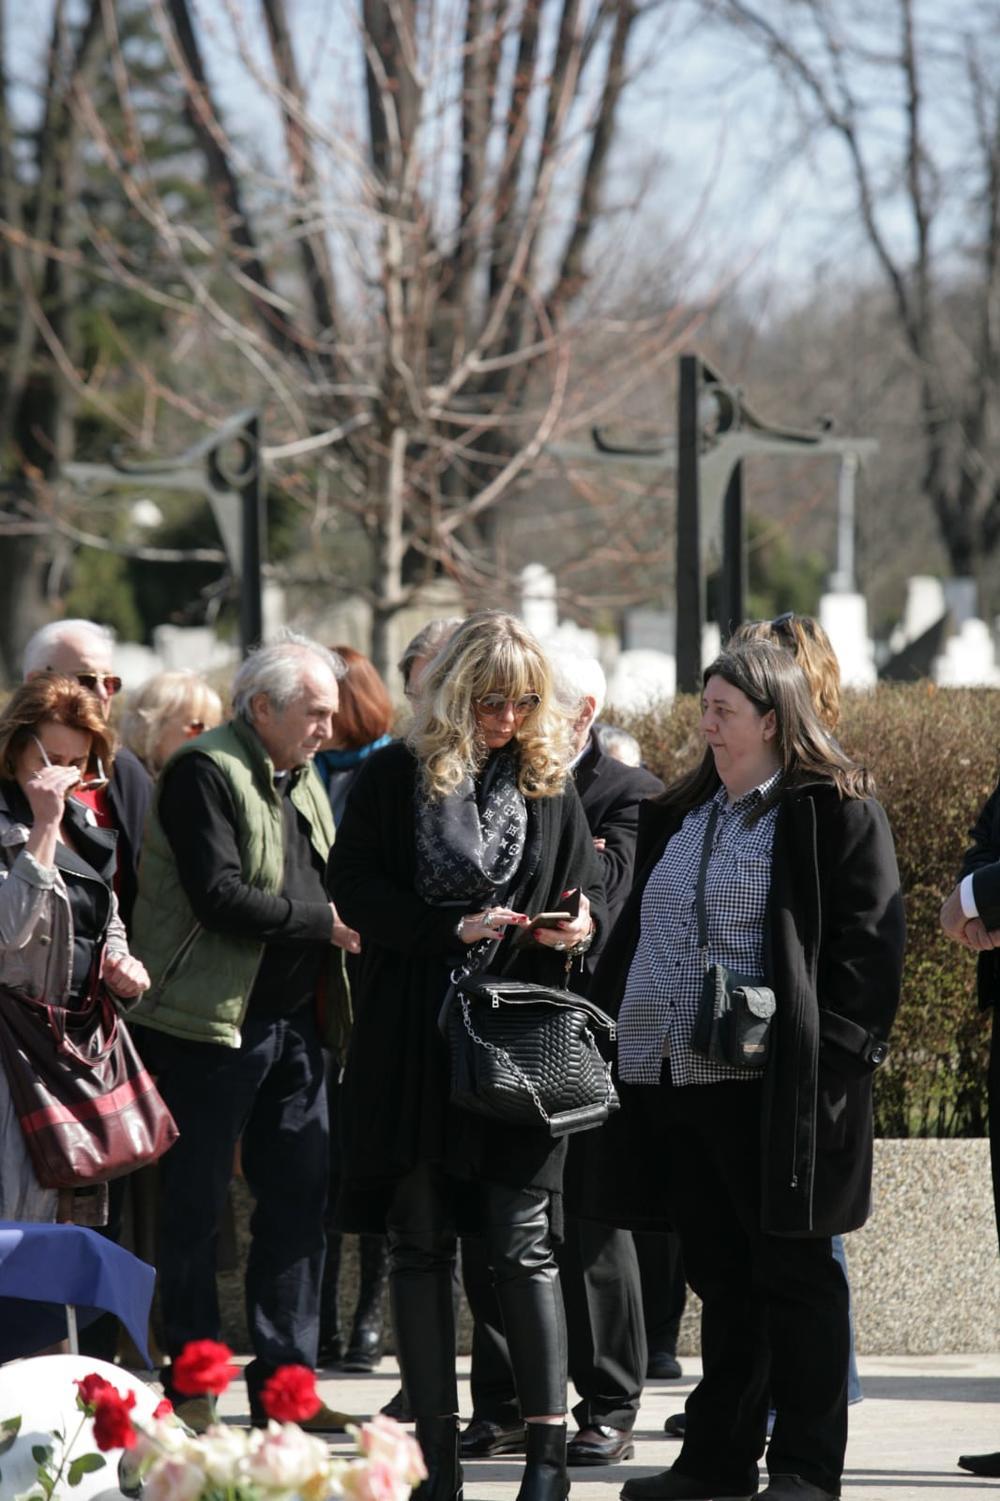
(331, 1344)
(438, 1439)
(545, 1477)
(365, 1346)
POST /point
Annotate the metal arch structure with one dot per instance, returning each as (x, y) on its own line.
(227, 469)
(717, 429)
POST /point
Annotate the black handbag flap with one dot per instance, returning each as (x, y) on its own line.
(496, 990)
(759, 1000)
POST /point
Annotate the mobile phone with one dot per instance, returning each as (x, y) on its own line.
(569, 907)
(547, 920)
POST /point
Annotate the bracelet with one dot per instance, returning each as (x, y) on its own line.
(584, 943)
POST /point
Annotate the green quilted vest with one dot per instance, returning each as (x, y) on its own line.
(200, 980)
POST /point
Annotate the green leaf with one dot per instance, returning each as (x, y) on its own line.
(9, 1429)
(86, 1464)
(41, 1453)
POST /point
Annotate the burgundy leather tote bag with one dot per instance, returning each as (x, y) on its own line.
(88, 1108)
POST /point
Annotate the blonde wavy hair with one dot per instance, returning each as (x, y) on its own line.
(809, 644)
(161, 698)
(490, 652)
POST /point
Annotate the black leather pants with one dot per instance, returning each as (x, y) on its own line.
(422, 1244)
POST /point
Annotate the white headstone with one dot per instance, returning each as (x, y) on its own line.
(844, 617)
(962, 598)
(649, 630)
(711, 642)
(539, 610)
(641, 679)
(925, 604)
(968, 659)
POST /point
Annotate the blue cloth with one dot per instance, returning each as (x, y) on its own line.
(329, 761)
(44, 1267)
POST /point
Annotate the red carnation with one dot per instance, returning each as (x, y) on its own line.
(112, 1424)
(91, 1389)
(290, 1394)
(202, 1366)
(164, 1408)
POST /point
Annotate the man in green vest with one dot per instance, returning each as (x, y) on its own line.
(244, 951)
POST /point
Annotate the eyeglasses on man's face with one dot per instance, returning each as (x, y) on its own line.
(493, 705)
(93, 681)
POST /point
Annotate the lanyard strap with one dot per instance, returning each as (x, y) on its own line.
(706, 855)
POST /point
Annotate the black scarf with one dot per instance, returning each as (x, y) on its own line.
(470, 843)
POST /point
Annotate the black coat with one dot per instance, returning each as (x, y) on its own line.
(833, 951)
(130, 792)
(394, 1098)
(611, 794)
(983, 861)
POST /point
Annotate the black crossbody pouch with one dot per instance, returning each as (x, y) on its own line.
(735, 1014)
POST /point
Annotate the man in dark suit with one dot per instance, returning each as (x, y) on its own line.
(597, 1265)
(971, 916)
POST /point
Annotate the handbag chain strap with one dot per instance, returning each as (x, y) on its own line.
(504, 1057)
(706, 855)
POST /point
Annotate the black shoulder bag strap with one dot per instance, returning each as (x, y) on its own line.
(706, 855)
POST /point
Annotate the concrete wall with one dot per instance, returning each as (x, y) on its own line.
(925, 1270)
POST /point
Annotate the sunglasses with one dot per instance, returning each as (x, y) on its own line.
(780, 621)
(85, 784)
(90, 680)
(494, 704)
(196, 726)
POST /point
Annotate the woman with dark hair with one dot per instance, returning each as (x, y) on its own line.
(774, 859)
(361, 725)
(449, 842)
(59, 923)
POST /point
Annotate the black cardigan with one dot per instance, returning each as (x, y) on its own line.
(394, 1097)
(834, 947)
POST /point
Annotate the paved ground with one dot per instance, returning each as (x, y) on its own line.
(919, 1414)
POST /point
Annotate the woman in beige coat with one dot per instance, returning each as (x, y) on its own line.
(58, 913)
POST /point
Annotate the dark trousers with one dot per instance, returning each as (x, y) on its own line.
(599, 1275)
(664, 1288)
(775, 1308)
(270, 1092)
(422, 1247)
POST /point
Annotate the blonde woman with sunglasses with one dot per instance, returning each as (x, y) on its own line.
(59, 922)
(451, 842)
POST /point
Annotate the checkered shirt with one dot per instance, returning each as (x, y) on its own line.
(664, 982)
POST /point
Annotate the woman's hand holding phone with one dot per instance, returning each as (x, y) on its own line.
(567, 932)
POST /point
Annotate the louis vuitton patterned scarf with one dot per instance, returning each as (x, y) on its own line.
(470, 844)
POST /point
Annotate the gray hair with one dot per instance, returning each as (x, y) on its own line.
(428, 642)
(575, 676)
(619, 743)
(278, 669)
(41, 644)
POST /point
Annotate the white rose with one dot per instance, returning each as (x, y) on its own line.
(173, 1479)
(287, 1460)
(222, 1452)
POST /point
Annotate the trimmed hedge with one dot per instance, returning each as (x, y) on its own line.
(935, 754)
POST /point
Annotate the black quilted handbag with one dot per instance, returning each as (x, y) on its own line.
(527, 1055)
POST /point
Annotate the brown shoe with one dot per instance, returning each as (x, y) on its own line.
(196, 1413)
(600, 1445)
(328, 1420)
